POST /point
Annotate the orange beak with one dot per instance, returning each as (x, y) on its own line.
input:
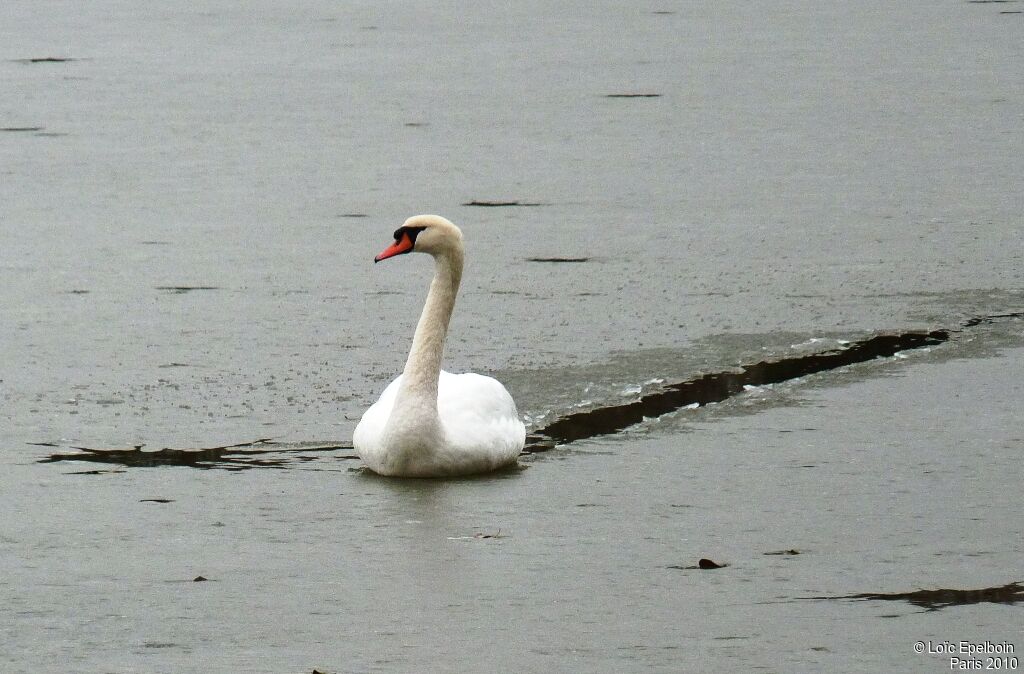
(402, 245)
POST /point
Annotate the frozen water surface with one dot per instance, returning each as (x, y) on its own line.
(190, 199)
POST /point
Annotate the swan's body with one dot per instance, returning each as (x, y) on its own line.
(431, 423)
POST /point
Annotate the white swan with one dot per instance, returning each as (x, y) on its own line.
(431, 423)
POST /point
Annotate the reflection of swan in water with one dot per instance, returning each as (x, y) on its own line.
(431, 423)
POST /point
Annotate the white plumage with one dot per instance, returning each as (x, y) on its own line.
(428, 422)
(479, 424)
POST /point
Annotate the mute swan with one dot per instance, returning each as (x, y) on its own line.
(428, 422)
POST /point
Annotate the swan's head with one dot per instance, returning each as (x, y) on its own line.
(424, 234)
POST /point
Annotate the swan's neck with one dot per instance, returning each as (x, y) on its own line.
(423, 367)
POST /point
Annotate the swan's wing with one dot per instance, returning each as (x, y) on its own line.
(474, 395)
(477, 411)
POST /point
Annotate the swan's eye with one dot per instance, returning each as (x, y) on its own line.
(411, 232)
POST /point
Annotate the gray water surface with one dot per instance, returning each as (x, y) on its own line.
(190, 201)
